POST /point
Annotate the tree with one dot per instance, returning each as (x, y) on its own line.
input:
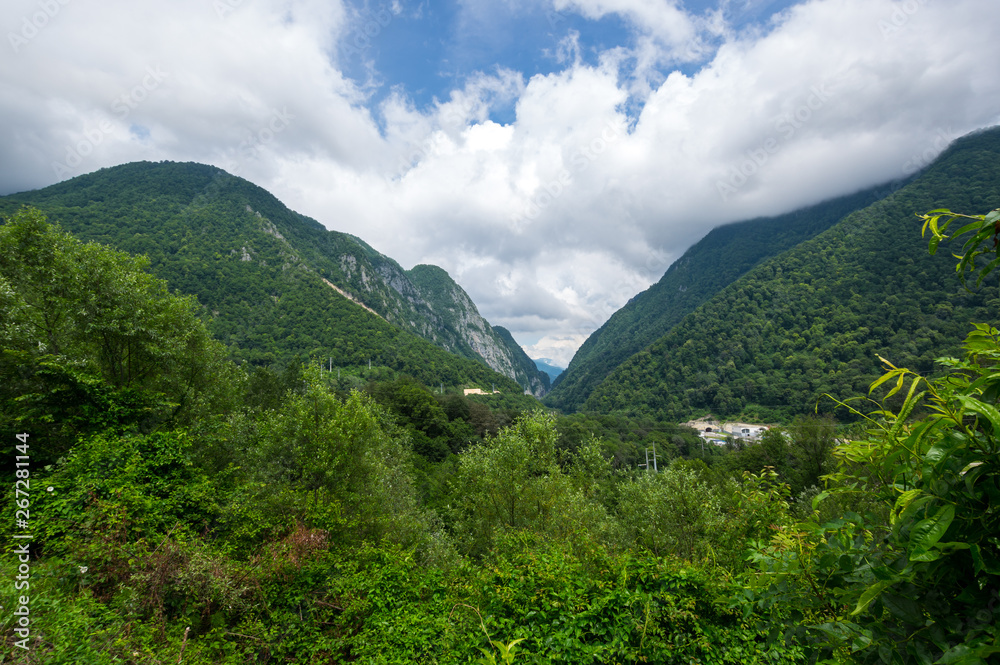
(812, 441)
(910, 574)
(513, 481)
(90, 340)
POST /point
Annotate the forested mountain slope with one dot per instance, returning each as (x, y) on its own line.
(277, 283)
(459, 319)
(812, 320)
(718, 259)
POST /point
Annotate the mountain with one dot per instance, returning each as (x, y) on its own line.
(717, 260)
(279, 284)
(812, 320)
(546, 365)
(460, 328)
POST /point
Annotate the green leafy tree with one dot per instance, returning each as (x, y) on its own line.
(513, 481)
(331, 463)
(90, 340)
(914, 579)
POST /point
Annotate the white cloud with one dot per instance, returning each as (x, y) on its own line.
(550, 222)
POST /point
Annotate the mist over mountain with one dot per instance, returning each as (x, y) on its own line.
(722, 256)
(547, 365)
(813, 319)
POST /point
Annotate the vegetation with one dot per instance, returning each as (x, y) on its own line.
(286, 520)
(263, 273)
(184, 508)
(812, 321)
(724, 255)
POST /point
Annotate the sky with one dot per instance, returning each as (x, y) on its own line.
(554, 156)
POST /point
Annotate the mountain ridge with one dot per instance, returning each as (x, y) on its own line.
(814, 319)
(199, 225)
(722, 256)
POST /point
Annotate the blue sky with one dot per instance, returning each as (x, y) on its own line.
(554, 156)
(428, 49)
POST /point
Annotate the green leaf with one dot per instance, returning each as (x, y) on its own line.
(929, 531)
(983, 564)
(903, 502)
(990, 412)
(818, 498)
(907, 514)
(903, 608)
(959, 655)
(870, 594)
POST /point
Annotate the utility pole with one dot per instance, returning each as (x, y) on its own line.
(655, 470)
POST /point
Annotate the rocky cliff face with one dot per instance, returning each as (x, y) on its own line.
(424, 300)
(254, 228)
(457, 318)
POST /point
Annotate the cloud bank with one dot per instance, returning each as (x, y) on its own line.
(606, 170)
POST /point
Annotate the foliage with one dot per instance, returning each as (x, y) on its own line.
(92, 341)
(688, 512)
(723, 256)
(982, 227)
(513, 481)
(264, 273)
(332, 464)
(914, 582)
(811, 321)
(199, 514)
(800, 454)
(595, 607)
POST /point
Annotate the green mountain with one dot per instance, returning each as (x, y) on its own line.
(278, 284)
(812, 320)
(717, 260)
(460, 328)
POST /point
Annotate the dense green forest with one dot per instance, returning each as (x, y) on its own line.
(260, 271)
(724, 255)
(813, 320)
(175, 506)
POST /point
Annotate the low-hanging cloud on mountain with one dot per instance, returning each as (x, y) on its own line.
(551, 197)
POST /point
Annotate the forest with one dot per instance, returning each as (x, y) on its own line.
(724, 255)
(168, 504)
(744, 333)
(262, 273)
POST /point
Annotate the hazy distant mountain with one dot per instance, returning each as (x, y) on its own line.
(546, 365)
(812, 320)
(278, 284)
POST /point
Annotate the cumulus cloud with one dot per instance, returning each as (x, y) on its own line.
(607, 171)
